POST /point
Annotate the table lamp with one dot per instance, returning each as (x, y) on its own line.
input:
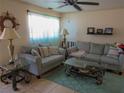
(10, 34)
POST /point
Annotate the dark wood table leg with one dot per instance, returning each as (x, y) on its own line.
(3, 79)
(3, 76)
(99, 78)
(14, 83)
(27, 78)
(67, 70)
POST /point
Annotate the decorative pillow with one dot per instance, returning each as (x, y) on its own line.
(77, 54)
(35, 53)
(44, 51)
(41, 52)
(53, 50)
(113, 52)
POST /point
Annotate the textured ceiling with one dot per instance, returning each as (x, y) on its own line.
(104, 4)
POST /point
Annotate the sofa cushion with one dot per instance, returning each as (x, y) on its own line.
(52, 59)
(83, 46)
(96, 48)
(106, 49)
(77, 54)
(109, 60)
(93, 57)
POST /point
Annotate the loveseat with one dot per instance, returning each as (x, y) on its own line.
(100, 53)
(38, 63)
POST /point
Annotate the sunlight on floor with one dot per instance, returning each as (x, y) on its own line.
(36, 86)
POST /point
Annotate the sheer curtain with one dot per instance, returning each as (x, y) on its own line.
(43, 28)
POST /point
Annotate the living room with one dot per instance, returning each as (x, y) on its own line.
(109, 14)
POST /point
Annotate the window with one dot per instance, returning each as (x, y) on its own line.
(43, 28)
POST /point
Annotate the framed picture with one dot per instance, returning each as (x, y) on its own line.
(108, 31)
(99, 31)
(90, 30)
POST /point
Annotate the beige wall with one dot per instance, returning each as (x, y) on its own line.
(77, 24)
(19, 10)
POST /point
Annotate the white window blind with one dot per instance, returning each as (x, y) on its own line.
(43, 28)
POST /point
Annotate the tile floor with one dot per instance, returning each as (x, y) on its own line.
(36, 86)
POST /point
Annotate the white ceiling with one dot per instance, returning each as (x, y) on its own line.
(104, 4)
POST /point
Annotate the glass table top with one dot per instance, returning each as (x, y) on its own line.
(77, 62)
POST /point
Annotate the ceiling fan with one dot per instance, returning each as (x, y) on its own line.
(75, 3)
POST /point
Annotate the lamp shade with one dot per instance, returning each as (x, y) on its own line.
(9, 33)
(65, 32)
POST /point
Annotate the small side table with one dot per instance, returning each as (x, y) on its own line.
(14, 72)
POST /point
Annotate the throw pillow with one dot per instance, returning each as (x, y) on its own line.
(44, 51)
(41, 52)
(113, 52)
(53, 50)
(35, 52)
(77, 54)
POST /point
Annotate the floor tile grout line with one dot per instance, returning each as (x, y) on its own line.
(53, 88)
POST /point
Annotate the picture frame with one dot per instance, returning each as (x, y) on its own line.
(91, 30)
(99, 31)
(108, 30)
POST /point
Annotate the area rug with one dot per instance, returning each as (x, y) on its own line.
(113, 83)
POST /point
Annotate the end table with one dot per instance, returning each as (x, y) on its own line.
(14, 72)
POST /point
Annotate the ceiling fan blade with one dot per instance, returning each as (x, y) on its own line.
(59, 2)
(88, 3)
(54, 1)
(77, 7)
(62, 6)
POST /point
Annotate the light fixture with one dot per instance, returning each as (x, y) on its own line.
(10, 34)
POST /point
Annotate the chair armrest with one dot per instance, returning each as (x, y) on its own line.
(121, 60)
(72, 49)
(30, 58)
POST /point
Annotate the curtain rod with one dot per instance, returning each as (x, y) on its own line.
(38, 12)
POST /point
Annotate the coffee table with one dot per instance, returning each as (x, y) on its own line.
(85, 68)
(14, 73)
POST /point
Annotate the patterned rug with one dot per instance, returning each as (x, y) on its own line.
(112, 83)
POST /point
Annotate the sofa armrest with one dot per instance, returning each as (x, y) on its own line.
(35, 63)
(30, 58)
(62, 51)
(121, 60)
(72, 49)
